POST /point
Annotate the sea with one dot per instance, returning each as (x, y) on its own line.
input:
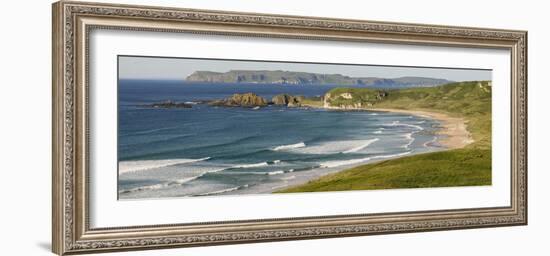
(213, 151)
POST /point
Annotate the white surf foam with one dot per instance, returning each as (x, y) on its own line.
(168, 184)
(334, 147)
(289, 146)
(361, 147)
(150, 131)
(410, 138)
(413, 126)
(150, 187)
(331, 164)
(259, 173)
(275, 172)
(262, 164)
(289, 178)
(142, 165)
(378, 132)
(183, 181)
(397, 123)
(428, 143)
(251, 165)
(223, 190)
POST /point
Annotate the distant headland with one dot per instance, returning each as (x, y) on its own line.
(305, 78)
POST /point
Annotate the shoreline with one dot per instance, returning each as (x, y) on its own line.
(454, 129)
(452, 135)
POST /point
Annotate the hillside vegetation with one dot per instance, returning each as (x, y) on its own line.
(466, 166)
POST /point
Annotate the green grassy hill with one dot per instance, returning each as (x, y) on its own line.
(467, 166)
(470, 100)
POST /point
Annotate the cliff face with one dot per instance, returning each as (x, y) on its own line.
(288, 77)
(268, 77)
(206, 76)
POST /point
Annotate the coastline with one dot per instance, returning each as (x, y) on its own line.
(454, 129)
(452, 135)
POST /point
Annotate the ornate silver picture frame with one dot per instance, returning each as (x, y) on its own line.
(74, 21)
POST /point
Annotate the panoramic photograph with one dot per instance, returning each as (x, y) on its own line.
(190, 127)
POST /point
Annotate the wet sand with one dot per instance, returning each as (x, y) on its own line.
(454, 129)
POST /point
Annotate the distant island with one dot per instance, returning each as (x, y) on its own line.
(305, 78)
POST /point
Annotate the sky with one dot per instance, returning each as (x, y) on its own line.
(156, 68)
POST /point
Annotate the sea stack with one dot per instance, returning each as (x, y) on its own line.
(287, 100)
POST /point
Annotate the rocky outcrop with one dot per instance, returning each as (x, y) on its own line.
(353, 98)
(241, 100)
(287, 100)
(170, 104)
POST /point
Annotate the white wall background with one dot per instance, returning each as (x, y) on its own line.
(25, 101)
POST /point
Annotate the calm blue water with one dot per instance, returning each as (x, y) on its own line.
(208, 150)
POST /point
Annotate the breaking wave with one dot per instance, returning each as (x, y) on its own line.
(249, 165)
(335, 147)
(409, 137)
(397, 123)
(223, 190)
(361, 147)
(168, 184)
(289, 146)
(142, 165)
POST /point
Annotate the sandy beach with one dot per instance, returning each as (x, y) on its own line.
(455, 134)
(454, 129)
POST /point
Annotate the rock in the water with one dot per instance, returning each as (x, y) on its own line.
(287, 100)
(170, 104)
(280, 99)
(294, 104)
(241, 100)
